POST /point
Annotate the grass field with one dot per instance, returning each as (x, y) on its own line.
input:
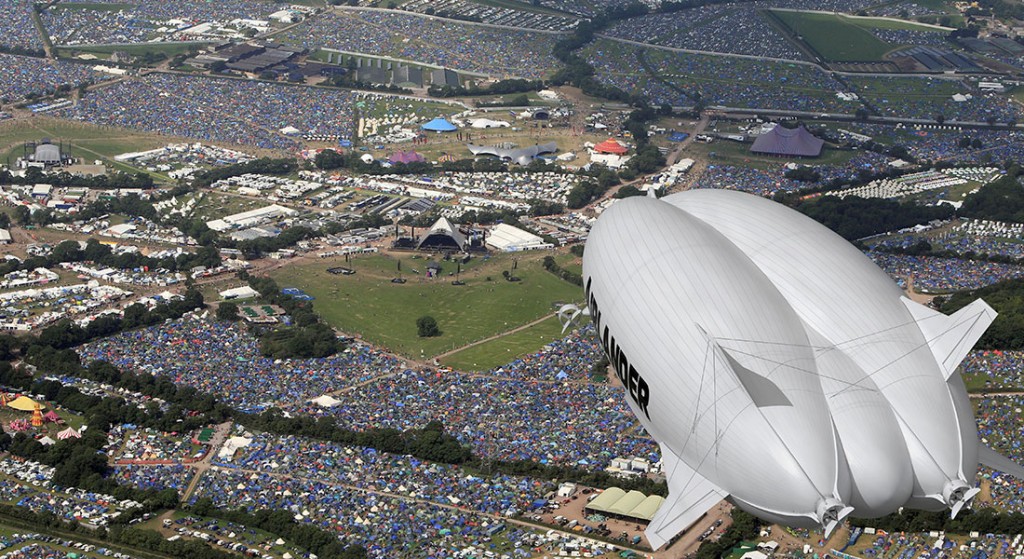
(735, 153)
(497, 352)
(170, 49)
(841, 38)
(368, 304)
(86, 141)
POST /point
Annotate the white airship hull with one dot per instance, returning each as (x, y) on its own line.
(777, 365)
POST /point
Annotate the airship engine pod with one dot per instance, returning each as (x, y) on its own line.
(777, 366)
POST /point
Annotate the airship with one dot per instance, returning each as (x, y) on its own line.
(778, 367)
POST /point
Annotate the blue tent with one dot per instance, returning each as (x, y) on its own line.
(439, 125)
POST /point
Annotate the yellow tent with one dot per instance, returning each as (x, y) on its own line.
(23, 403)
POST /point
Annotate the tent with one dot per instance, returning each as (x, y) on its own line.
(406, 157)
(439, 125)
(610, 146)
(788, 142)
(326, 401)
(23, 403)
(69, 433)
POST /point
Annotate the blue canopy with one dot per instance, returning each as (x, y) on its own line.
(439, 125)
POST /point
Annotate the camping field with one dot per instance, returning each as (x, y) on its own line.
(369, 305)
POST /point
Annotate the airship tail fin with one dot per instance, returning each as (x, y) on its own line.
(569, 314)
(997, 461)
(950, 337)
(690, 495)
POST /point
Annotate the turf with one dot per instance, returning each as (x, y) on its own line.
(86, 141)
(499, 351)
(840, 38)
(369, 305)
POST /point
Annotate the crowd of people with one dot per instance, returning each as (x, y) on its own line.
(142, 20)
(387, 526)
(128, 443)
(449, 44)
(541, 417)
(967, 236)
(222, 359)
(748, 179)
(367, 469)
(75, 26)
(159, 477)
(24, 76)
(680, 78)
(912, 37)
(17, 30)
(932, 99)
(238, 111)
(1004, 369)
(999, 426)
(550, 422)
(725, 28)
(939, 275)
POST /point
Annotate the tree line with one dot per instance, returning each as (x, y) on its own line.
(308, 337)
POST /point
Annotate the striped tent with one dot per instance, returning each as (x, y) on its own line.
(69, 433)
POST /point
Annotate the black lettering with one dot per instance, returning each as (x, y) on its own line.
(643, 395)
(633, 376)
(631, 379)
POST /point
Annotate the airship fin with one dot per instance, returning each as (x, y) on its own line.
(569, 314)
(950, 337)
(690, 495)
(997, 461)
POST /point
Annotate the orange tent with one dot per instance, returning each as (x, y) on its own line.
(610, 146)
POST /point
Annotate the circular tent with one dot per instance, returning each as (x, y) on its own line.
(23, 403)
(439, 125)
(610, 146)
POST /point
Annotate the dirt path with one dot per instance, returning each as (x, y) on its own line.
(219, 436)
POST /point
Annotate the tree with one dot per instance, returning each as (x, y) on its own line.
(329, 159)
(426, 327)
(227, 311)
(22, 215)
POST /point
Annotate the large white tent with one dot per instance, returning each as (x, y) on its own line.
(507, 238)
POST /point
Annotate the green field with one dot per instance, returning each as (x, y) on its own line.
(369, 305)
(169, 49)
(85, 140)
(840, 38)
(497, 352)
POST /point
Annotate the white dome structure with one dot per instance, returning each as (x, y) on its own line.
(777, 366)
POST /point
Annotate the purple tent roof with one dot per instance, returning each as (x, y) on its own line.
(405, 157)
(784, 141)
